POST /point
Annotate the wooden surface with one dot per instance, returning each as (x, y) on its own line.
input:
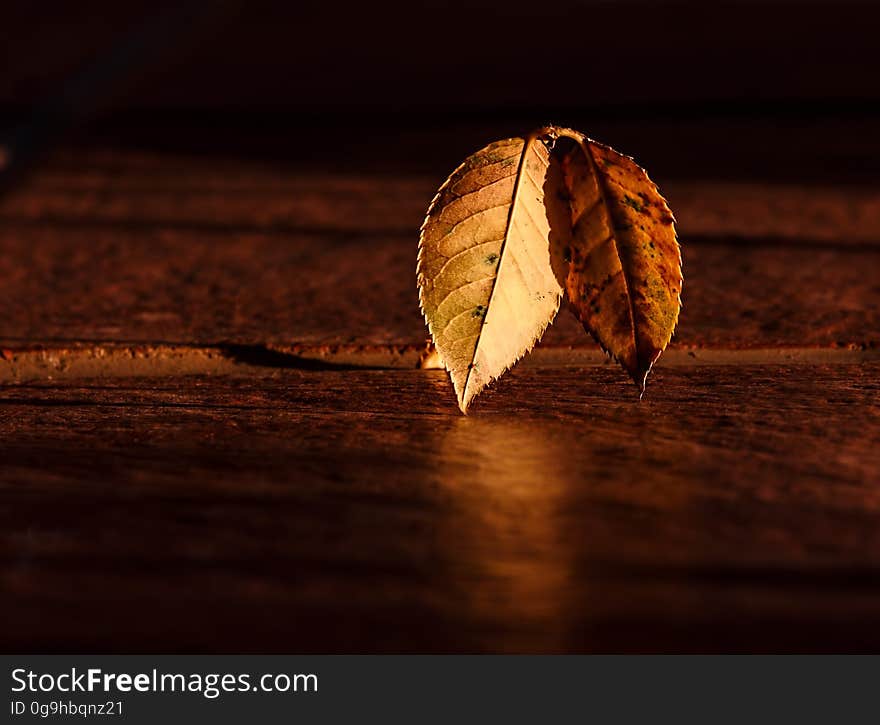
(104, 246)
(275, 504)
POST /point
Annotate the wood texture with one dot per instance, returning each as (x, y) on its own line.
(133, 247)
(183, 286)
(109, 187)
(733, 509)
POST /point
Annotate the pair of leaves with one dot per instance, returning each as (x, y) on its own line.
(524, 221)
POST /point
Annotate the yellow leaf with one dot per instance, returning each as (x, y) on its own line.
(624, 263)
(486, 284)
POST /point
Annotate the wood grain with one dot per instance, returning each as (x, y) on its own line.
(733, 509)
(176, 285)
(155, 190)
(149, 248)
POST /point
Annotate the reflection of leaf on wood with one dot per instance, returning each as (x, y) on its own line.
(486, 285)
(624, 274)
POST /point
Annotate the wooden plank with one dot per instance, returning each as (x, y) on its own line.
(733, 508)
(130, 284)
(111, 187)
(131, 247)
(75, 361)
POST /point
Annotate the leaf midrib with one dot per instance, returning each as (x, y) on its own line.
(515, 198)
(627, 282)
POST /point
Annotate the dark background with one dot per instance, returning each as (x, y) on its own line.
(778, 90)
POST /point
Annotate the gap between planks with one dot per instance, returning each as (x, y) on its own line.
(76, 360)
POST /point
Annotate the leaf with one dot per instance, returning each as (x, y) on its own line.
(486, 285)
(624, 263)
